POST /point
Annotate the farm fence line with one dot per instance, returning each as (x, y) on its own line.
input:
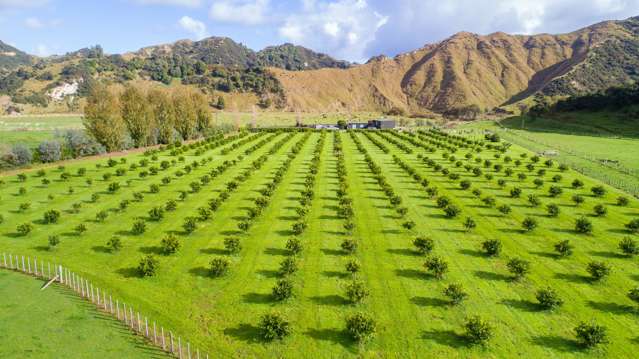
(138, 323)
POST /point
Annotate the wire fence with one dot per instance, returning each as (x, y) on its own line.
(104, 302)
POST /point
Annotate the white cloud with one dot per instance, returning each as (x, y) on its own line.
(42, 50)
(248, 12)
(34, 23)
(185, 3)
(342, 28)
(4, 4)
(195, 27)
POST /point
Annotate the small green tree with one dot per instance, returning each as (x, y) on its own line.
(548, 298)
(553, 210)
(80, 229)
(478, 330)
(529, 224)
(114, 244)
(470, 224)
(598, 191)
(591, 334)
(283, 289)
(518, 267)
(563, 248)
(349, 246)
(139, 227)
(219, 266)
(288, 266)
(356, 291)
(424, 245)
(578, 200)
(232, 245)
(633, 226)
(437, 266)
(583, 225)
(360, 326)
(189, 225)
(353, 266)
(492, 247)
(273, 326)
(148, 266)
(629, 246)
(51, 216)
(24, 229)
(633, 294)
(294, 245)
(170, 244)
(54, 240)
(598, 270)
(456, 293)
(600, 210)
(504, 209)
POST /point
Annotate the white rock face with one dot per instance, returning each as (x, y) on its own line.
(64, 90)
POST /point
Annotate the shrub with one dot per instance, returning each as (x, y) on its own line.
(442, 202)
(555, 191)
(219, 266)
(553, 210)
(504, 209)
(633, 226)
(455, 292)
(591, 334)
(629, 246)
(598, 270)
(408, 225)
(563, 248)
(534, 200)
(538, 182)
(288, 266)
(470, 224)
(113, 187)
(154, 188)
(156, 213)
(465, 184)
(232, 245)
(356, 291)
(148, 266)
(633, 294)
(114, 244)
(477, 330)
(283, 289)
(518, 267)
(294, 245)
(360, 326)
(489, 201)
(189, 225)
(24, 206)
(437, 266)
(548, 298)
(578, 199)
(452, 211)
(424, 245)
(529, 224)
(139, 227)
(583, 225)
(600, 210)
(273, 326)
(170, 244)
(349, 246)
(577, 183)
(101, 216)
(80, 229)
(51, 216)
(353, 266)
(54, 240)
(598, 191)
(492, 247)
(622, 201)
(24, 229)
(205, 213)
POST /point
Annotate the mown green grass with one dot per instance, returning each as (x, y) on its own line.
(56, 323)
(220, 316)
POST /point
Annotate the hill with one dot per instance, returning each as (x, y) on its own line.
(10, 57)
(470, 69)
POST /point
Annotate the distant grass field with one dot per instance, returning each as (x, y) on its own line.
(56, 323)
(220, 315)
(31, 130)
(602, 145)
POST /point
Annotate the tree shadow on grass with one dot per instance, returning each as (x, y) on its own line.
(151, 250)
(335, 274)
(612, 308)
(268, 273)
(333, 252)
(545, 255)
(611, 255)
(101, 249)
(573, 278)
(332, 335)
(445, 337)
(257, 298)
(404, 252)
(200, 272)
(557, 343)
(492, 276)
(454, 230)
(429, 302)
(472, 253)
(244, 332)
(411, 273)
(217, 251)
(276, 251)
(231, 233)
(131, 272)
(511, 230)
(523, 305)
(13, 235)
(334, 300)
(41, 248)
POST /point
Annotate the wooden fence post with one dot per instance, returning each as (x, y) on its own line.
(29, 264)
(171, 335)
(35, 266)
(98, 295)
(117, 309)
(146, 326)
(180, 347)
(131, 318)
(155, 335)
(163, 340)
(125, 321)
(49, 269)
(10, 261)
(4, 257)
(23, 267)
(188, 349)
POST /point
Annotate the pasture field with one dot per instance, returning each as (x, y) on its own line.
(37, 323)
(232, 177)
(31, 130)
(600, 145)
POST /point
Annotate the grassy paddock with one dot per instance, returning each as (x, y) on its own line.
(220, 315)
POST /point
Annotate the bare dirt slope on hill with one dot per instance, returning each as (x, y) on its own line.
(462, 70)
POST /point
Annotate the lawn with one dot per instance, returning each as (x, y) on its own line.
(601, 145)
(54, 322)
(220, 315)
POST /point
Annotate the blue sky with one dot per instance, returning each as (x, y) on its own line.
(347, 29)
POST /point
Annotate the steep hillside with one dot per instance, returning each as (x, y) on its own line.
(10, 57)
(468, 69)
